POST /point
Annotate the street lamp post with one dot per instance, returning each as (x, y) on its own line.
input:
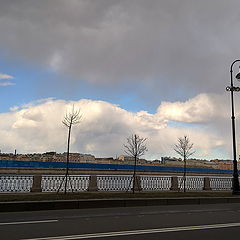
(235, 183)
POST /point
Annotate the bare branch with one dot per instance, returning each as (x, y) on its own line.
(184, 148)
(72, 118)
(135, 146)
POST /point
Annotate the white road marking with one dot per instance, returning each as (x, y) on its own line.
(197, 211)
(28, 222)
(138, 232)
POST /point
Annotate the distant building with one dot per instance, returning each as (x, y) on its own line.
(195, 163)
(79, 157)
(130, 160)
(223, 164)
(165, 160)
(49, 157)
(109, 160)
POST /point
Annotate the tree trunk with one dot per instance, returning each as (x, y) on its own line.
(184, 175)
(134, 172)
(68, 146)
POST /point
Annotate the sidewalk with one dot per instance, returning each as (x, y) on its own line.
(46, 201)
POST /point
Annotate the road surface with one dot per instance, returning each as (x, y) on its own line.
(215, 221)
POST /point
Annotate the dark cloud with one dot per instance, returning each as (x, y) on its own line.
(170, 49)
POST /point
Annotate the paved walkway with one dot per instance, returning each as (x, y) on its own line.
(15, 206)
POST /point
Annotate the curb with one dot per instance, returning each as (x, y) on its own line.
(108, 203)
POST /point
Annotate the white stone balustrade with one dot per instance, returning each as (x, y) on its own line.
(104, 183)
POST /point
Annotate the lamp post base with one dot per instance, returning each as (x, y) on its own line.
(236, 192)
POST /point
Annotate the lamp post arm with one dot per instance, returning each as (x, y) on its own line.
(231, 71)
(238, 60)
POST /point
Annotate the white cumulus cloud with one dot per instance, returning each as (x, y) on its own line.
(104, 127)
(202, 108)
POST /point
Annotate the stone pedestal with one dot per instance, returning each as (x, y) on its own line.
(37, 183)
(174, 184)
(92, 187)
(206, 184)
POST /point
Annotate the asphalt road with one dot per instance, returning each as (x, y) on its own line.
(215, 221)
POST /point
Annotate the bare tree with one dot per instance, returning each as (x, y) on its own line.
(185, 149)
(135, 147)
(70, 119)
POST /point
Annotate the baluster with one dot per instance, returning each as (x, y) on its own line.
(104, 184)
(48, 184)
(87, 181)
(143, 182)
(99, 183)
(107, 180)
(111, 184)
(151, 183)
(157, 183)
(114, 184)
(81, 183)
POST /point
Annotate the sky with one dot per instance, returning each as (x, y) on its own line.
(154, 68)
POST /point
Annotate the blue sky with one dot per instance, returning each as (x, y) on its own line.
(33, 82)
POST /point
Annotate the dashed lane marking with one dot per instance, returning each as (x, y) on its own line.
(28, 222)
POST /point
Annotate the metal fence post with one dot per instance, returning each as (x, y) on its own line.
(92, 187)
(174, 184)
(206, 184)
(36, 186)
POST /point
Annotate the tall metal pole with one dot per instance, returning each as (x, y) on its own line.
(235, 184)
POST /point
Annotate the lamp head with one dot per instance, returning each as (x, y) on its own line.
(238, 75)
